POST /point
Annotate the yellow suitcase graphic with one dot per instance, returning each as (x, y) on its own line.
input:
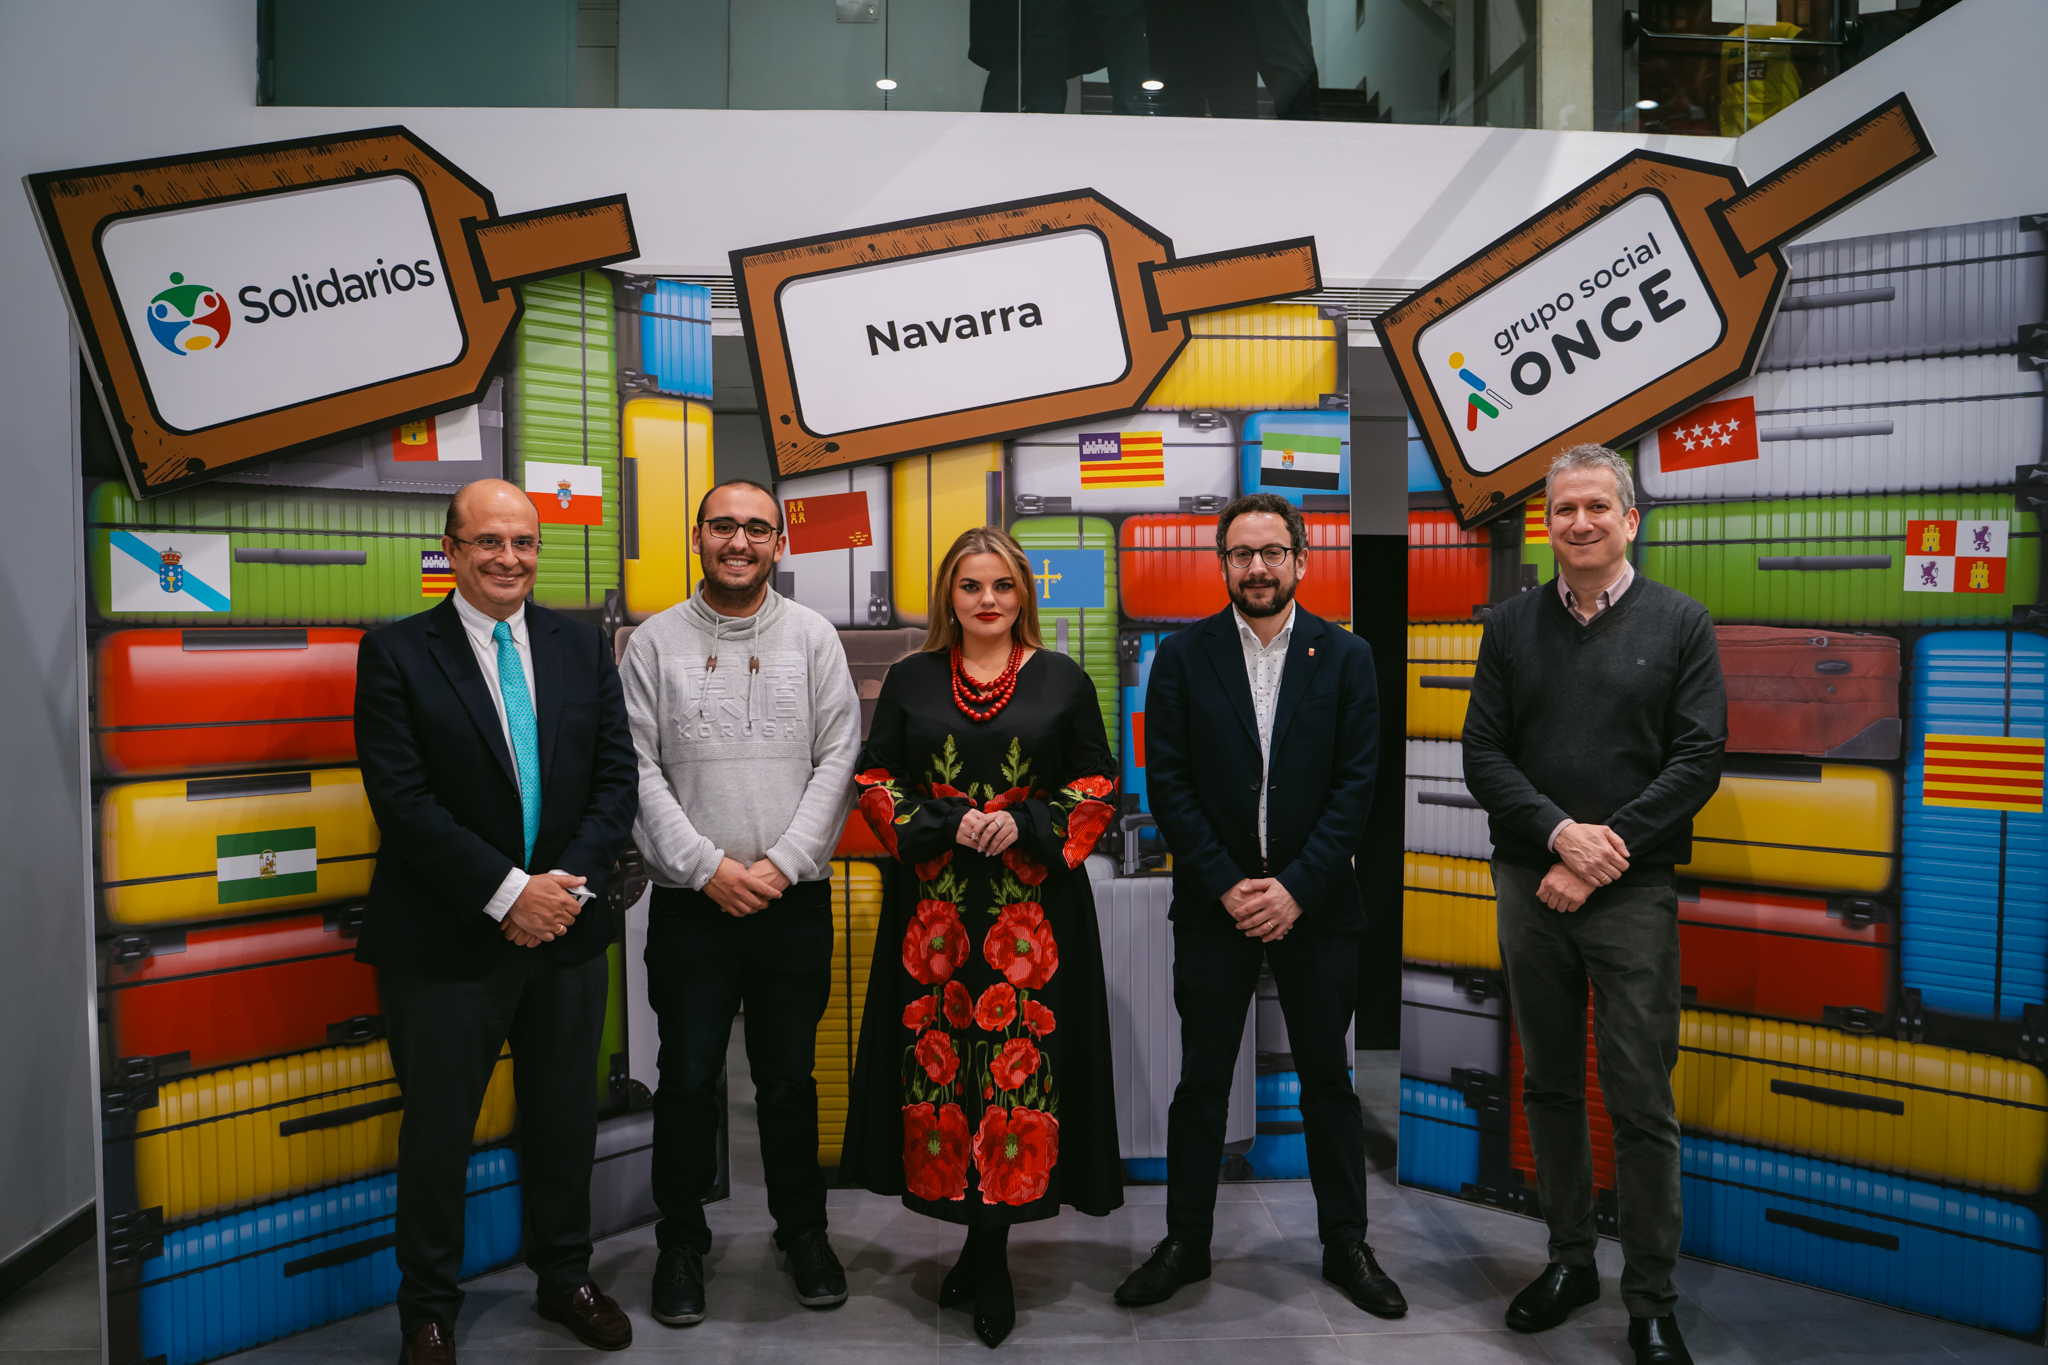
(220, 847)
(932, 499)
(1810, 826)
(1272, 355)
(246, 1135)
(667, 470)
(1447, 912)
(1441, 662)
(1934, 1112)
(856, 916)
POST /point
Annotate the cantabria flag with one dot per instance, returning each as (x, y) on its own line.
(266, 865)
(1294, 460)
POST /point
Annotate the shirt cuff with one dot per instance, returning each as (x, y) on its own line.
(1562, 826)
(508, 891)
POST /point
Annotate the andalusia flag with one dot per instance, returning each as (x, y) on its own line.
(1983, 772)
(266, 865)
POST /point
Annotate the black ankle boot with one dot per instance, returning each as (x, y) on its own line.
(995, 1301)
(958, 1286)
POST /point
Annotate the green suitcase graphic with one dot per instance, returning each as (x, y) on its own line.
(565, 410)
(233, 554)
(1086, 636)
(1843, 561)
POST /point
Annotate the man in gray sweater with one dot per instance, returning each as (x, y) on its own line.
(747, 726)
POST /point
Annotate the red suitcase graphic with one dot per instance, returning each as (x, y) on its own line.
(1818, 960)
(1812, 691)
(857, 840)
(1167, 568)
(235, 697)
(1521, 1155)
(210, 997)
(1449, 568)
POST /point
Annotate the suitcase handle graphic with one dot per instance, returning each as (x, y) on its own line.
(1826, 432)
(1852, 1019)
(243, 637)
(1841, 1099)
(360, 1029)
(341, 1255)
(1813, 563)
(1462, 800)
(1446, 682)
(1848, 298)
(272, 555)
(342, 1117)
(1840, 1232)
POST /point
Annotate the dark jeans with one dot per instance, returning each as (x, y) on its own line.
(1214, 977)
(1625, 939)
(702, 966)
(445, 1037)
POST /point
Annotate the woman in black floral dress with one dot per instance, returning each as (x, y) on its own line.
(982, 1093)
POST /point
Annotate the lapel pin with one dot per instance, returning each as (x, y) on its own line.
(1311, 651)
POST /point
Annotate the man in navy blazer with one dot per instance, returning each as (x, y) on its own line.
(499, 765)
(1261, 745)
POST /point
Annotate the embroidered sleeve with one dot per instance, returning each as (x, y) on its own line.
(914, 814)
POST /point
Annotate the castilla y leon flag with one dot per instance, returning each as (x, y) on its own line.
(1123, 459)
(1983, 772)
(836, 521)
(266, 865)
(1290, 459)
(566, 494)
(1711, 434)
(1956, 556)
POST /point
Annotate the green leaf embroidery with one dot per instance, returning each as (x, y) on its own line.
(946, 764)
(1016, 767)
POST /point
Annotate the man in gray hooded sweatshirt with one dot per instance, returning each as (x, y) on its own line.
(747, 725)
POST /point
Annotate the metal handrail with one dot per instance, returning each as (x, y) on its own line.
(1737, 38)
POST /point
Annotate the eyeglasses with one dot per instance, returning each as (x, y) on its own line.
(490, 545)
(725, 528)
(1273, 556)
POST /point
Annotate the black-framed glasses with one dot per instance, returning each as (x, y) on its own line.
(725, 528)
(1273, 556)
(490, 545)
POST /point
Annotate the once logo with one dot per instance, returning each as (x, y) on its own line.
(189, 318)
(1485, 400)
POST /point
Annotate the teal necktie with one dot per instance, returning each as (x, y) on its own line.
(525, 736)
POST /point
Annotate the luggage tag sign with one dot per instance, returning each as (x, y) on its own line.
(1619, 307)
(248, 303)
(885, 341)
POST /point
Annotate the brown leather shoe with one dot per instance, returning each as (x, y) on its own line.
(592, 1316)
(428, 1344)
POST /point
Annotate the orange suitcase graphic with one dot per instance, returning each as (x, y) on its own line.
(1167, 568)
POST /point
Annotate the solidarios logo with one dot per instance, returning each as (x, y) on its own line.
(189, 318)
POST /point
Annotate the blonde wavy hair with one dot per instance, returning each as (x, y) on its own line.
(944, 631)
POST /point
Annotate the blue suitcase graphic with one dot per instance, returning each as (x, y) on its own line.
(1422, 475)
(1305, 457)
(1974, 915)
(675, 339)
(1135, 651)
(1966, 1257)
(1439, 1138)
(231, 1283)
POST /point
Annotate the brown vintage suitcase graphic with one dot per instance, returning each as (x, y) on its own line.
(1806, 690)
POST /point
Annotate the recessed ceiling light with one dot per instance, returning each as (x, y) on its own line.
(885, 84)
(1153, 85)
(1646, 104)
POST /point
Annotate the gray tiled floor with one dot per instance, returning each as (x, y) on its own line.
(1458, 1264)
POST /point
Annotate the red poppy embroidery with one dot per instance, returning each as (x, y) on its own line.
(930, 871)
(935, 1054)
(1007, 799)
(1084, 827)
(997, 1008)
(948, 789)
(878, 808)
(1014, 1065)
(1028, 869)
(1037, 1018)
(936, 943)
(872, 777)
(959, 1005)
(1015, 1152)
(1020, 945)
(936, 1148)
(920, 1012)
(1097, 787)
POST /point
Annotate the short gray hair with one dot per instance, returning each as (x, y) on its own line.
(1594, 457)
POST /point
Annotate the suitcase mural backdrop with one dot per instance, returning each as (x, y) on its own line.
(838, 559)
(1146, 462)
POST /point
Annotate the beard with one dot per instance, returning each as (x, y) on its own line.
(719, 590)
(1283, 594)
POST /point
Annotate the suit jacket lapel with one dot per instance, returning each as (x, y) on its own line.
(451, 650)
(1303, 657)
(1226, 653)
(543, 636)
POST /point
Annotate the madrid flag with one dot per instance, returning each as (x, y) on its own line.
(566, 494)
(1711, 434)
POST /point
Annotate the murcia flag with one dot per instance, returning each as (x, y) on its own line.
(437, 578)
(1955, 556)
(1292, 460)
(266, 865)
(448, 437)
(1982, 772)
(566, 494)
(837, 521)
(168, 571)
(1536, 521)
(1711, 434)
(1123, 459)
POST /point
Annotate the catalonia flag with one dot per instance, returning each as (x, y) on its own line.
(1983, 772)
(1126, 459)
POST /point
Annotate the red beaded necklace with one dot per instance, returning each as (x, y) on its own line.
(981, 701)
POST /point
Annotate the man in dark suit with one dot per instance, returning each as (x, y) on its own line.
(500, 768)
(1262, 740)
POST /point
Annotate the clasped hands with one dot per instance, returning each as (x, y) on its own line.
(987, 832)
(544, 910)
(741, 891)
(1262, 907)
(1592, 856)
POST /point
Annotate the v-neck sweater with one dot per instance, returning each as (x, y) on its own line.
(1618, 722)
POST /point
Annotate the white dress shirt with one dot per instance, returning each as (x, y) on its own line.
(481, 630)
(1263, 665)
(1606, 598)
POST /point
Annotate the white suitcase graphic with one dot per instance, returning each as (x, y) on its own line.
(1442, 817)
(1144, 462)
(847, 587)
(1893, 427)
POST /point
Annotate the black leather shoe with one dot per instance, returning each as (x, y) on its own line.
(1551, 1296)
(1656, 1341)
(679, 1288)
(1351, 1267)
(427, 1344)
(591, 1315)
(1173, 1263)
(820, 1280)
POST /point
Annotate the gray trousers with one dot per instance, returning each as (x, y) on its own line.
(1625, 940)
